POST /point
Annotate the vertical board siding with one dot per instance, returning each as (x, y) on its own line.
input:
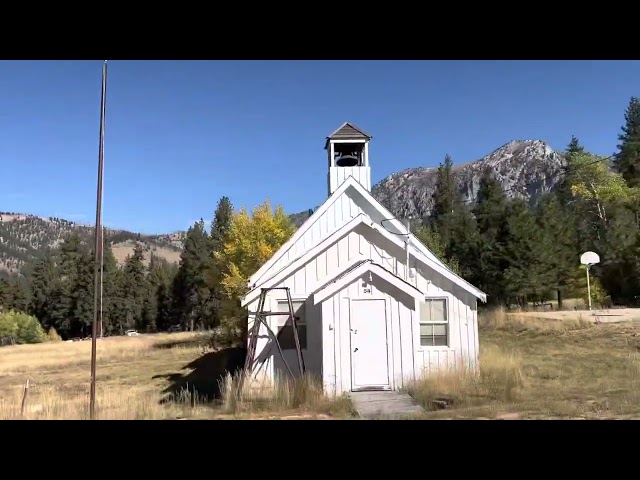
(329, 348)
(338, 175)
(436, 360)
(408, 359)
(330, 354)
(462, 350)
(337, 215)
(348, 206)
(400, 344)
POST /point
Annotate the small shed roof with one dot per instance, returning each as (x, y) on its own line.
(347, 131)
(358, 269)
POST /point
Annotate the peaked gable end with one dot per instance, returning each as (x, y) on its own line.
(360, 239)
(346, 203)
(348, 131)
(337, 210)
(356, 271)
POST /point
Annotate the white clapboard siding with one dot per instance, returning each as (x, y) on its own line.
(336, 335)
(338, 214)
(360, 243)
(364, 242)
(337, 176)
(463, 326)
(342, 209)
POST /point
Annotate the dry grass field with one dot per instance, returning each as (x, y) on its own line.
(145, 377)
(530, 368)
(541, 368)
(594, 316)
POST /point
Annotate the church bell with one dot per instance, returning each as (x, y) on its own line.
(347, 160)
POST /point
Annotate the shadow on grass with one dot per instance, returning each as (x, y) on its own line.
(204, 377)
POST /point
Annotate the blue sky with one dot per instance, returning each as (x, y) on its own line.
(180, 134)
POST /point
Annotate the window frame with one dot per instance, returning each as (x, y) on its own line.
(302, 323)
(446, 323)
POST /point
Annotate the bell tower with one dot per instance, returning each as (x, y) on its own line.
(348, 152)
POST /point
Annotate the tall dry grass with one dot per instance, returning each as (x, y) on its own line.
(516, 322)
(541, 368)
(137, 378)
(119, 403)
(303, 393)
(18, 359)
(59, 377)
(499, 379)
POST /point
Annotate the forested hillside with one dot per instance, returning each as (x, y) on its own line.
(26, 238)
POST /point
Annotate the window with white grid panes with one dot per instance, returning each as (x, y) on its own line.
(434, 323)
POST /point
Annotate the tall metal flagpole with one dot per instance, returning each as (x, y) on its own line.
(97, 292)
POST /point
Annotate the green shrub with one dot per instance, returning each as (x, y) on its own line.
(18, 327)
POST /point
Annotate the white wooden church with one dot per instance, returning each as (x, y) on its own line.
(375, 305)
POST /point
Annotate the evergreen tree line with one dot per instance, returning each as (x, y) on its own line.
(59, 292)
(517, 253)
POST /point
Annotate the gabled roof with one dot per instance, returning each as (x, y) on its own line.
(400, 229)
(301, 230)
(343, 231)
(393, 228)
(355, 272)
(347, 131)
(302, 259)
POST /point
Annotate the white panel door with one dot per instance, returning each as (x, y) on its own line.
(369, 350)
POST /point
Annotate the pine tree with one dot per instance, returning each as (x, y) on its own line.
(164, 301)
(42, 287)
(83, 293)
(5, 300)
(221, 223)
(563, 188)
(491, 215)
(445, 197)
(528, 264)
(134, 288)
(110, 299)
(14, 295)
(574, 146)
(68, 261)
(627, 161)
(157, 279)
(452, 222)
(150, 310)
(191, 292)
(219, 234)
(558, 224)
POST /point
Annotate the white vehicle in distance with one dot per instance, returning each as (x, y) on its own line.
(131, 333)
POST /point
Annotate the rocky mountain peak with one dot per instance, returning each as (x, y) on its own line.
(524, 168)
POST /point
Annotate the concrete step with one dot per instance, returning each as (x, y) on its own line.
(384, 404)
